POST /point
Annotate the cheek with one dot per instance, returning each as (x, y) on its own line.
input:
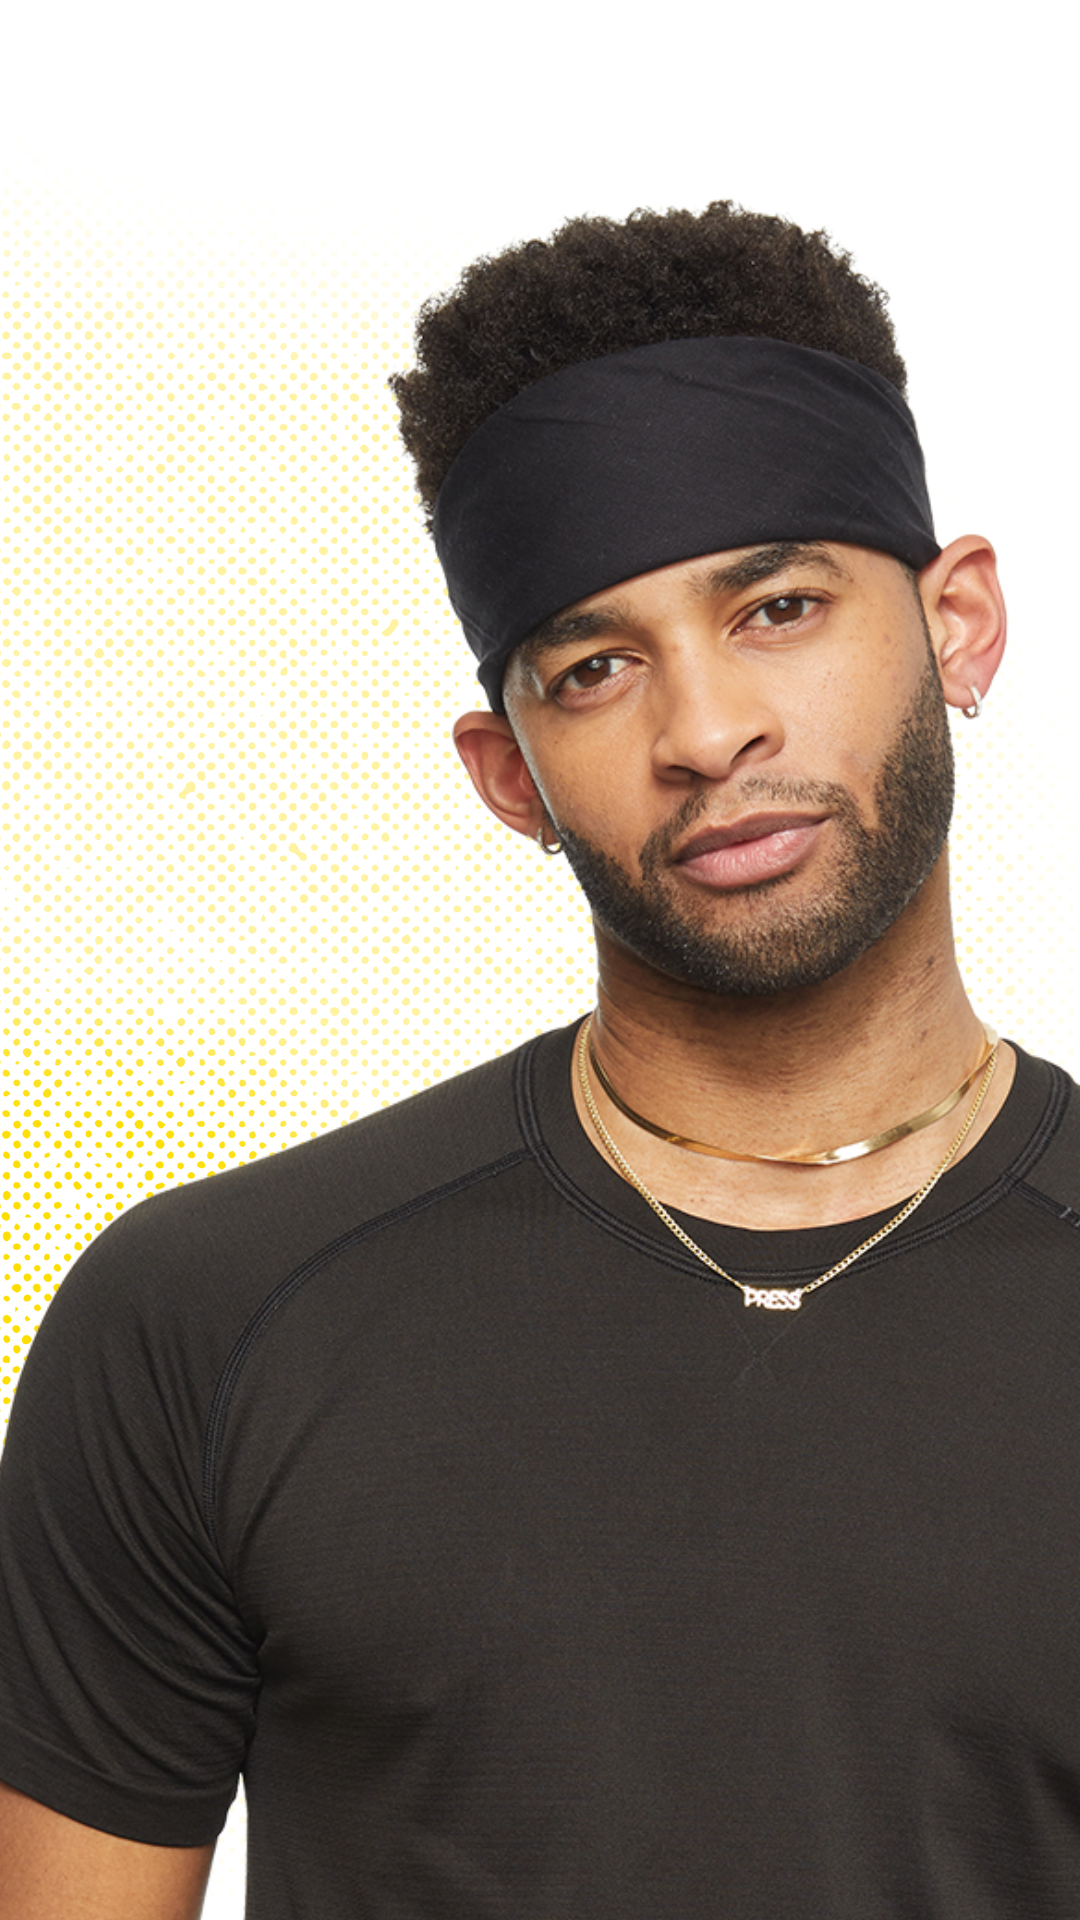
(602, 803)
(587, 783)
(850, 716)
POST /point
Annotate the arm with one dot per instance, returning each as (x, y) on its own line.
(53, 1868)
(128, 1680)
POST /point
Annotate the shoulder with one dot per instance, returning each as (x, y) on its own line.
(1052, 1169)
(329, 1184)
(196, 1261)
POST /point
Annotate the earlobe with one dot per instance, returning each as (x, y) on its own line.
(965, 613)
(498, 770)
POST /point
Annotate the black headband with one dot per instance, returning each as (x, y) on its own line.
(615, 467)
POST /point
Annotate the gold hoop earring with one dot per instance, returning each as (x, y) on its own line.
(543, 845)
(973, 712)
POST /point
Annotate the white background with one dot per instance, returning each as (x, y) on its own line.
(334, 146)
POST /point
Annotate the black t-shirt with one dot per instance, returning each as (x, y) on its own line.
(528, 1574)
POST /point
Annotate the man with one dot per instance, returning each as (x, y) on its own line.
(635, 1478)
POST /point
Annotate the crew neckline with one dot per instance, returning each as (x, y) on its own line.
(1015, 1138)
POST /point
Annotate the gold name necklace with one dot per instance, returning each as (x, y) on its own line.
(784, 1299)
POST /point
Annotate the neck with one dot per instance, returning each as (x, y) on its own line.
(806, 1070)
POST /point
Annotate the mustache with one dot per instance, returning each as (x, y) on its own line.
(755, 789)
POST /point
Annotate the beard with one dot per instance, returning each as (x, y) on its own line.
(881, 869)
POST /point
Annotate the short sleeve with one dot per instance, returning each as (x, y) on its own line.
(127, 1680)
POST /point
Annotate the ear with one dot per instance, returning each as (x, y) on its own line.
(498, 770)
(965, 613)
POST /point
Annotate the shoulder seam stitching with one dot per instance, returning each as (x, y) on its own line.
(264, 1313)
(1058, 1208)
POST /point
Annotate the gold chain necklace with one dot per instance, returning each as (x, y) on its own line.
(781, 1298)
(831, 1156)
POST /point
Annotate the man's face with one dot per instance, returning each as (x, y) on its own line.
(747, 758)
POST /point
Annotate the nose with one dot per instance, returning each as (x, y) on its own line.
(714, 717)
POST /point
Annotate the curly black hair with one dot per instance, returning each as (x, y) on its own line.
(602, 286)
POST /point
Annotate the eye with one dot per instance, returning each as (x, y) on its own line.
(590, 673)
(784, 611)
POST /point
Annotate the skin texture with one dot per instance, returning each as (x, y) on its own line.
(52, 1868)
(697, 697)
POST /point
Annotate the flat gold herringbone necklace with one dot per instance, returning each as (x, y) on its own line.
(827, 1156)
(781, 1298)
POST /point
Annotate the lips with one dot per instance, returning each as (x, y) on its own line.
(762, 846)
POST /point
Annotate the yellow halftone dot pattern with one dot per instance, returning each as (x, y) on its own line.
(251, 894)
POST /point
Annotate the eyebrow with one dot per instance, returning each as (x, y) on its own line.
(763, 563)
